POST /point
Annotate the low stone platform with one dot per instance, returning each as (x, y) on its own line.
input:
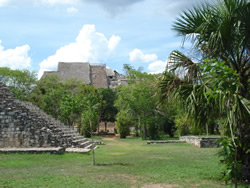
(201, 142)
(165, 141)
(77, 150)
(53, 150)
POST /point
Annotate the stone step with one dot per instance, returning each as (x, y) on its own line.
(77, 150)
(85, 144)
(70, 135)
(81, 140)
(92, 146)
(70, 132)
(43, 125)
(77, 137)
(56, 150)
(63, 129)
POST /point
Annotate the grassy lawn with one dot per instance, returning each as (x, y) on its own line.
(120, 163)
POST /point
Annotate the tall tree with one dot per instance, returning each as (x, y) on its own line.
(137, 102)
(218, 31)
(107, 109)
(20, 82)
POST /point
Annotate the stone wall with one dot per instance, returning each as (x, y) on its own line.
(98, 76)
(79, 71)
(202, 142)
(24, 125)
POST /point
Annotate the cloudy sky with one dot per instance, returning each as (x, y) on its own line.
(37, 34)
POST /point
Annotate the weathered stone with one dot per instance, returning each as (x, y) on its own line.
(24, 125)
(202, 142)
(97, 75)
(165, 141)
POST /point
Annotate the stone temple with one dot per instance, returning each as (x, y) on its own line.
(97, 75)
(26, 127)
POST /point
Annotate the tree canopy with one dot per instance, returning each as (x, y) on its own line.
(20, 82)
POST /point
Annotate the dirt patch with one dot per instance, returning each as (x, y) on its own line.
(109, 137)
(160, 185)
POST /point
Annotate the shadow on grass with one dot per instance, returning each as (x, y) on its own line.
(113, 164)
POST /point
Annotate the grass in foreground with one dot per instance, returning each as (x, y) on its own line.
(120, 163)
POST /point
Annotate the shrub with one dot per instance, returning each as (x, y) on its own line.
(123, 124)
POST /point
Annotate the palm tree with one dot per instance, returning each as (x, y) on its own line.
(219, 31)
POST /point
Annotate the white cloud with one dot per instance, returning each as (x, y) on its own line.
(17, 58)
(113, 42)
(72, 10)
(157, 66)
(3, 2)
(138, 55)
(89, 46)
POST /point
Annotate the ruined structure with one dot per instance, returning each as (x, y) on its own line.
(97, 75)
(201, 142)
(23, 125)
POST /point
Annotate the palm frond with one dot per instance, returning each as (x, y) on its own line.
(183, 66)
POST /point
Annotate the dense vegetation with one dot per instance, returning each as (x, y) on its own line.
(216, 89)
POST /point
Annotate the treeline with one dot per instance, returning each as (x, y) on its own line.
(134, 108)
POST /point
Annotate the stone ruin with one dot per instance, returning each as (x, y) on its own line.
(97, 75)
(23, 125)
(201, 142)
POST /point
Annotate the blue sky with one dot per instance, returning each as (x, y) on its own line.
(36, 34)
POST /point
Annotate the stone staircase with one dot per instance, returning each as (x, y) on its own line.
(24, 125)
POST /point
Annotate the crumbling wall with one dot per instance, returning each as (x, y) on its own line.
(22, 124)
(202, 142)
(17, 129)
(98, 76)
(79, 71)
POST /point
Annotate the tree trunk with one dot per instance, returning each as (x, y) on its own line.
(144, 132)
(207, 128)
(105, 125)
(93, 150)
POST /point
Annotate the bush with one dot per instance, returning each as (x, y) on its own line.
(168, 126)
(183, 126)
(123, 124)
(230, 159)
(152, 128)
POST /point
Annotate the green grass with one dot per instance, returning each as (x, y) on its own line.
(120, 163)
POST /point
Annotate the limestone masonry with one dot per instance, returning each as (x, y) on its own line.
(23, 125)
(97, 75)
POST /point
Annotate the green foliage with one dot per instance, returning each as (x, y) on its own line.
(123, 122)
(108, 110)
(91, 107)
(139, 101)
(153, 128)
(183, 125)
(214, 98)
(47, 94)
(70, 108)
(232, 164)
(220, 30)
(64, 100)
(20, 82)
